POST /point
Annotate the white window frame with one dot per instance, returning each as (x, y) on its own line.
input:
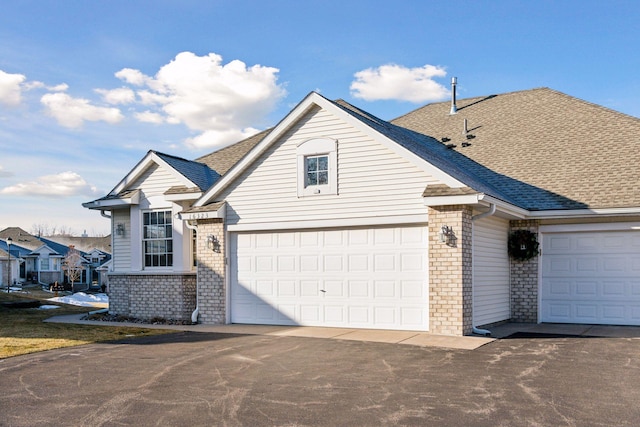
(313, 148)
(143, 241)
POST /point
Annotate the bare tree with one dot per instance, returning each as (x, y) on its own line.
(41, 229)
(72, 265)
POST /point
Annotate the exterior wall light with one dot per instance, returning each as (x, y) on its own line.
(120, 229)
(213, 243)
(446, 234)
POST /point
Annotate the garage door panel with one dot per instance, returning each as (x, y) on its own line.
(357, 237)
(358, 316)
(309, 313)
(358, 263)
(384, 262)
(264, 288)
(584, 289)
(385, 289)
(375, 277)
(333, 263)
(334, 314)
(287, 288)
(413, 289)
(591, 277)
(358, 289)
(613, 313)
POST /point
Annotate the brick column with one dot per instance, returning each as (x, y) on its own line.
(212, 298)
(524, 281)
(450, 274)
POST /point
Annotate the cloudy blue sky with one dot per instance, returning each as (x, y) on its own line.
(88, 87)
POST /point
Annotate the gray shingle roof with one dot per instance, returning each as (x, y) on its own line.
(224, 159)
(541, 148)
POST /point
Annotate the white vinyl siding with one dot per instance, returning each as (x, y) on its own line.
(121, 244)
(127, 250)
(372, 180)
(491, 298)
(154, 181)
(591, 277)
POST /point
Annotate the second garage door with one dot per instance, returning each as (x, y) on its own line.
(591, 277)
(359, 278)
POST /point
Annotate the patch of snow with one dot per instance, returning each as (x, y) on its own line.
(84, 300)
(48, 307)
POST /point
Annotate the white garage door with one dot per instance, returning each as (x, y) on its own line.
(359, 278)
(591, 277)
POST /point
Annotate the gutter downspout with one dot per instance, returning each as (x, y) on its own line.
(194, 315)
(490, 212)
(105, 215)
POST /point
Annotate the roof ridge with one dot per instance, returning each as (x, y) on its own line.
(431, 104)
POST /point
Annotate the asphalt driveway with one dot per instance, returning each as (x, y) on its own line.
(198, 379)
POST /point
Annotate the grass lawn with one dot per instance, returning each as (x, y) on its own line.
(23, 331)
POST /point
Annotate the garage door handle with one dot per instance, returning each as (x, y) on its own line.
(322, 290)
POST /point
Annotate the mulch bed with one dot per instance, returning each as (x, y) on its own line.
(106, 317)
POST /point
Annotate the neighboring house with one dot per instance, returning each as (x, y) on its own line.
(43, 258)
(11, 265)
(337, 218)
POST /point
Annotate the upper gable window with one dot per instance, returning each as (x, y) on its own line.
(317, 167)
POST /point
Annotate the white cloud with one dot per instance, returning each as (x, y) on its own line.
(400, 83)
(219, 138)
(64, 184)
(10, 90)
(58, 88)
(72, 112)
(149, 117)
(219, 100)
(4, 173)
(122, 95)
(131, 76)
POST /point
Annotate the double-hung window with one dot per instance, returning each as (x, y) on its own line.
(157, 239)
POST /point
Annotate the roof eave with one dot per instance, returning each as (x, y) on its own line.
(105, 204)
(584, 213)
(181, 197)
(478, 200)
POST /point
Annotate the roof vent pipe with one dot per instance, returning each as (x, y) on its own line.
(454, 82)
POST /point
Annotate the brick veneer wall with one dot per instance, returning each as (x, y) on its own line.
(147, 296)
(524, 280)
(450, 273)
(212, 298)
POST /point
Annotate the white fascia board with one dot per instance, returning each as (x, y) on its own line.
(112, 203)
(583, 213)
(595, 226)
(142, 166)
(467, 199)
(314, 99)
(478, 199)
(505, 208)
(181, 197)
(421, 219)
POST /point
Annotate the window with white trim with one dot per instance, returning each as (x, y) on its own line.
(49, 264)
(317, 167)
(157, 239)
